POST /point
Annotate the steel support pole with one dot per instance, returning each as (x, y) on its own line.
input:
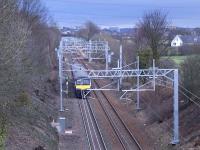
(121, 64)
(154, 76)
(118, 81)
(138, 84)
(106, 55)
(61, 78)
(90, 50)
(175, 139)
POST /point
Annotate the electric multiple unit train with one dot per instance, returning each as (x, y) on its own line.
(81, 81)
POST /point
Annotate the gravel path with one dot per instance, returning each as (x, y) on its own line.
(76, 140)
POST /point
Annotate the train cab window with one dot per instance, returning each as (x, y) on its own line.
(86, 81)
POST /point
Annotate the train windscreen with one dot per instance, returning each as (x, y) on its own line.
(83, 82)
(86, 81)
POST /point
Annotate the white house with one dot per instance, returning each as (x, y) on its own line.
(180, 40)
(177, 41)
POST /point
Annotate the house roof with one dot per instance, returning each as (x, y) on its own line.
(189, 39)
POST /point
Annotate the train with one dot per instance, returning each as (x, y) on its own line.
(80, 80)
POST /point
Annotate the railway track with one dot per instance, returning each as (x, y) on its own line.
(94, 137)
(109, 132)
(121, 130)
(125, 136)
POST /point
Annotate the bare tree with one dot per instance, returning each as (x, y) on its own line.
(152, 29)
(34, 12)
(13, 36)
(89, 30)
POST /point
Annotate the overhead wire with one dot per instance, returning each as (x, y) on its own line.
(189, 92)
(182, 92)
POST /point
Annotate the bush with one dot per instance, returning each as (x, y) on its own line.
(189, 50)
(190, 71)
(23, 99)
(2, 138)
(166, 63)
(158, 104)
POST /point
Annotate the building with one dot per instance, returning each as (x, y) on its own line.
(180, 40)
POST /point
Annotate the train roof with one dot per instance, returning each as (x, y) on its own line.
(79, 71)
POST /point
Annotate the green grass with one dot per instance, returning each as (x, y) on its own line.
(2, 141)
(3, 133)
(177, 59)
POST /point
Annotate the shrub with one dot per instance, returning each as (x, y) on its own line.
(166, 63)
(23, 99)
(190, 73)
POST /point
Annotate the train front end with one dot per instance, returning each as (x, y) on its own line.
(82, 86)
(81, 81)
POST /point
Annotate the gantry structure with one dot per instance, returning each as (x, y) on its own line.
(91, 50)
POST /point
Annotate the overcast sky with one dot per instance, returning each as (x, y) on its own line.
(122, 13)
